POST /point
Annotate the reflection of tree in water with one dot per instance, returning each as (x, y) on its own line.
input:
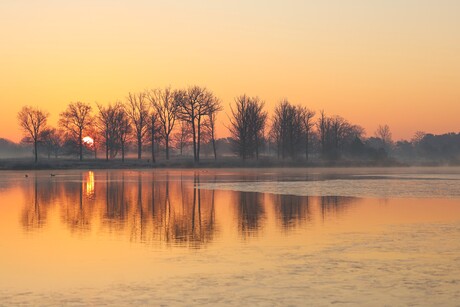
(147, 207)
(77, 207)
(198, 220)
(35, 210)
(45, 192)
(193, 223)
(155, 210)
(158, 207)
(292, 210)
(331, 205)
(250, 212)
(116, 206)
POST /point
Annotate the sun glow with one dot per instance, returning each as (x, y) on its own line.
(90, 184)
(88, 141)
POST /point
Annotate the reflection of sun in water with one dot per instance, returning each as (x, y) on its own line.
(90, 184)
(88, 141)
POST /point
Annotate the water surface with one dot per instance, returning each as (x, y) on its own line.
(269, 237)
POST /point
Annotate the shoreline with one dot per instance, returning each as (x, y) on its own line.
(230, 163)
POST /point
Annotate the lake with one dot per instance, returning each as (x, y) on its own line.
(366, 236)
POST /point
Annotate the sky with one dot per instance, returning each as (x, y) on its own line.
(394, 62)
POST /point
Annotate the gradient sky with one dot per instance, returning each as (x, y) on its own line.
(372, 62)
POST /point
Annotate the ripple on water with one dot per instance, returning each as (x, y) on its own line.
(358, 187)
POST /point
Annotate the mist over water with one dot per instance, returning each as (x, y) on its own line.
(268, 236)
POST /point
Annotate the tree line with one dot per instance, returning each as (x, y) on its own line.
(186, 119)
(144, 117)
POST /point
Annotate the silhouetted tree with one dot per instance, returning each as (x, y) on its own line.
(182, 138)
(287, 129)
(124, 128)
(33, 121)
(108, 127)
(383, 132)
(418, 137)
(94, 133)
(165, 104)
(211, 124)
(336, 135)
(247, 125)
(212, 131)
(74, 120)
(443, 148)
(323, 126)
(138, 110)
(306, 116)
(194, 104)
(52, 141)
(154, 128)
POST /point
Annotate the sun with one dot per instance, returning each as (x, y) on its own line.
(88, 141)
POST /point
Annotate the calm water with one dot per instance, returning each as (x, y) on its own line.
(227, 237)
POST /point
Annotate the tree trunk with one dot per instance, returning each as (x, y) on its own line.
(213, 140)
(278, 150)
(214, 148)
(153, 148)
(80, 142)
(167, 146)
(106, 148)
(257, 147)
(35, 150)
(122, 152)
(153, 140)
(139, 146)
(306, 147)
(194, 140)
(198, 141)
(283, 149)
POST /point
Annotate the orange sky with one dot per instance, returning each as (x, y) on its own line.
(373, 62)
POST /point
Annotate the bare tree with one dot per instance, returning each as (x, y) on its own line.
(247, 125)
(288, 129)
(214, 107)
(336, 134)
(206, 138)
(258, 119)
(153, 131)
(240, 126)
(107, 124)
(194, 104)
(383, 132)
(323, 127)
(418, 137)
(93, 132)
(52, 141)
(339, 129)
(165, 105)
(75, 119)
(138, 111)
(33, 121)
(212, 131)
(307, 120)
(124, 128)
(182, 137)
